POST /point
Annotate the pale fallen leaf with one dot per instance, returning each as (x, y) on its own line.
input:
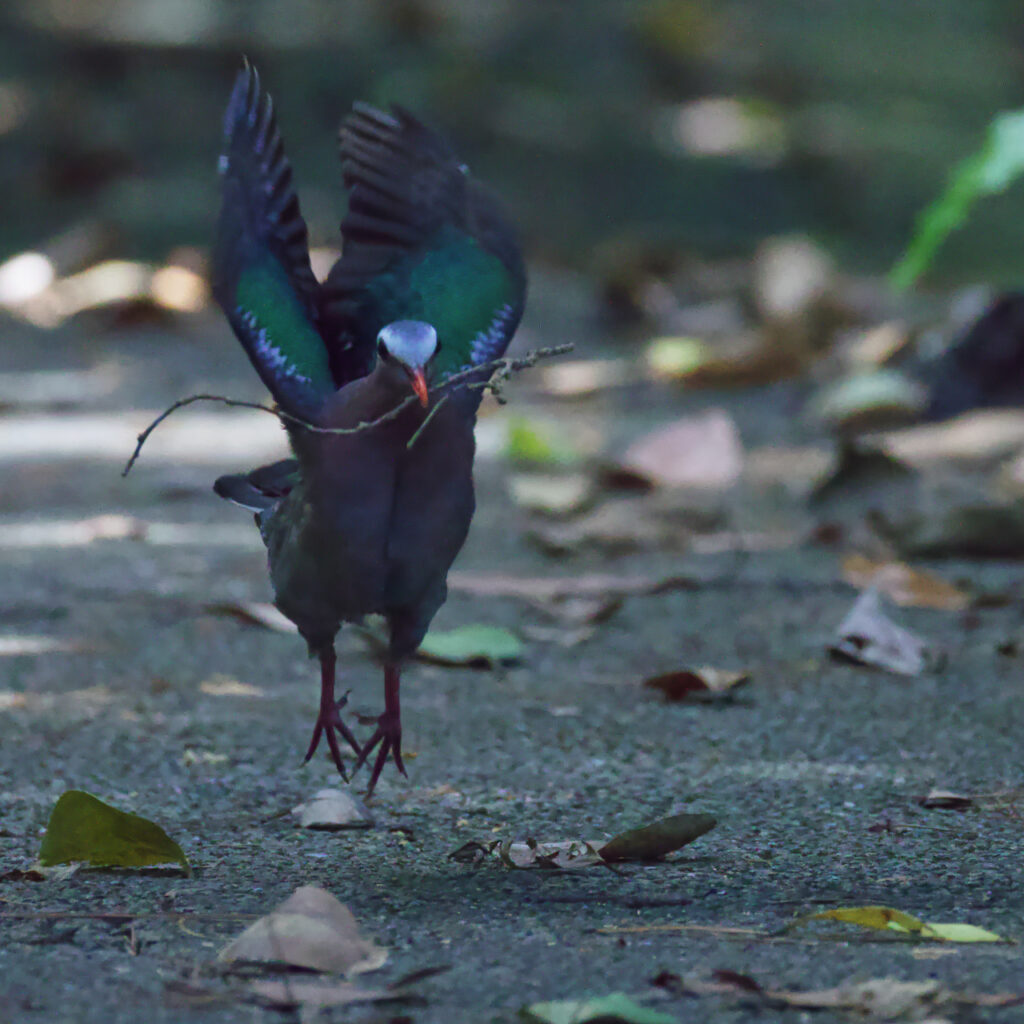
(320, 994)
(555, 495)
(705, 683)
(868, 637)
(310, 929)
(332, 809)
(225, 686)
(255, 613)
(613, 1009)
(702, 452)
(870, 400)
(619, 526)
(943, 799)
(477, 645)
(909, 587)
(579, 378)
(875, 346)
(974, 437)
(555, 588)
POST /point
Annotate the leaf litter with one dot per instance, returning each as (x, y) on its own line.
(649, 843)
(903, 584)
(867, 636)
(711, 685)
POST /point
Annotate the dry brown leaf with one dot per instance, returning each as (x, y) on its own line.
(705, 683)
(868, 637)
(909, 587)
(657, 840)
(619, 526)
(310, 929)
(701, 452)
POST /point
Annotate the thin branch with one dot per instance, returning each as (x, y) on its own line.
(423, 426)
(501, 369)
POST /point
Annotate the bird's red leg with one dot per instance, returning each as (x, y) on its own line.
(388, 732)
(329, 721)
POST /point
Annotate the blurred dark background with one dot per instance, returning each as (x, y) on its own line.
(698, 125)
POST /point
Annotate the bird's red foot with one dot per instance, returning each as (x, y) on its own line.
(329, 721)
(388, 735)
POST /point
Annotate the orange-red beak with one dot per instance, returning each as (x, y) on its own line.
(418, 378)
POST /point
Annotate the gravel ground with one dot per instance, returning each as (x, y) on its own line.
(813, 772)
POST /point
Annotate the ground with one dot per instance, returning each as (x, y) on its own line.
(813, 772)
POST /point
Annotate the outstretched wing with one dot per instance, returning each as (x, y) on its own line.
(421, 241)
(261, 274)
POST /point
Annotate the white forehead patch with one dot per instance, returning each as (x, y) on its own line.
(412, 342)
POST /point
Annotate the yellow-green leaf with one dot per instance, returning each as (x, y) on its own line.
(527, 441)
(889, 919)
(961, 933)
(618, 1008)
(882, 918)
(84, 828)
(471, 645)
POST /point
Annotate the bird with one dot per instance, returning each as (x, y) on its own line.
(370, 511)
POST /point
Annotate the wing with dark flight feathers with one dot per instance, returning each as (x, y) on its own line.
(421, 241)
(261, 273)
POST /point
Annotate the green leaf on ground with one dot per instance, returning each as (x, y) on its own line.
(657, 839)
(84, 828)
(472, 645)
(607, 1009)
(889, 919)
(538, 443)
(998, 163)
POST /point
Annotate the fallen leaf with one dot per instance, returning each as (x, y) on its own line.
(905, 585)
(84, 828)
(654, 841)
(870, 400)
(944, 800)
(890, 919)
(310, 929)
(552, 495)
(875, 346)
(476, 645)
(333, 809)
(703, 452)
(613, 1009)
(619, 526)
(255, 613)
(537, 443)
(579, 378)
(868, 637)
(320, 994)
(556, 588)
(706, 684)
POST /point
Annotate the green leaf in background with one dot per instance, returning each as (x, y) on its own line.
(84, 828)
(471, 645)
(607, 1009)
(527, 441)
(998, 163)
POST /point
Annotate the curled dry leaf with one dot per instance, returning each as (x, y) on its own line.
(705, 683)
(84, 828)
(333, 809)
(310, 929)
(905, 585)
(944, 800)
(868, 637)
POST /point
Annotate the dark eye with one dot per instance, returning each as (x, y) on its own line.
(382, 351)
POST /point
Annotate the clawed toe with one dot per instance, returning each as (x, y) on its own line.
(329, 723)
(388, 735)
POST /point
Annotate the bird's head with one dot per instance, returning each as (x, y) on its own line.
(408, 346)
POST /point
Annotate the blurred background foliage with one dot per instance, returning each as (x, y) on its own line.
(697, 125)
